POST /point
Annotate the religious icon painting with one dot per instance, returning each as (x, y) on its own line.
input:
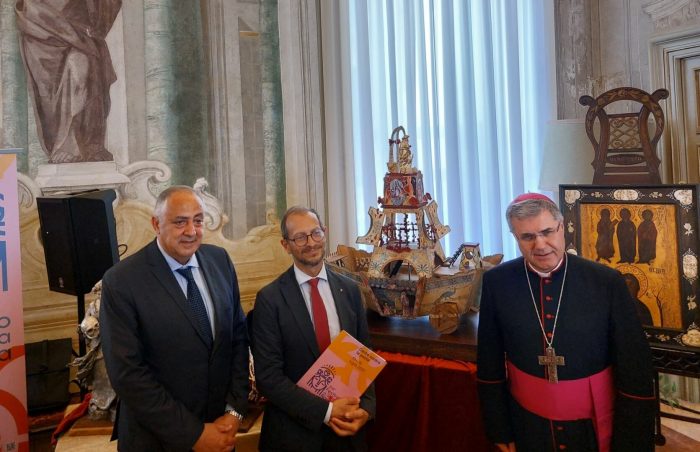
(649, 234)
(641, 242)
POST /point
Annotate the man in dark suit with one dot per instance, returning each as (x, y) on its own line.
(174, 337)
(294, 319)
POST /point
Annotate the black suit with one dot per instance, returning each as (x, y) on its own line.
(168, 381)
(284, 347)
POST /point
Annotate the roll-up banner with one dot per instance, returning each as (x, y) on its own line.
(14, 427)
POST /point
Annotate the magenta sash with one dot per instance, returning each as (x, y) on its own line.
(568, 400)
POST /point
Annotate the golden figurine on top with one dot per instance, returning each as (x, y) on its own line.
(404, 156)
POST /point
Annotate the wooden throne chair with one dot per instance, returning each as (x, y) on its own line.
(624, 151)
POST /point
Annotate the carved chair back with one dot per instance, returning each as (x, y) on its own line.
(624, 151)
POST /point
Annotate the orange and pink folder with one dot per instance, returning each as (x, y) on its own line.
(345, 369)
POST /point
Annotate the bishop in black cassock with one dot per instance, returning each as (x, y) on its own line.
(563, 363)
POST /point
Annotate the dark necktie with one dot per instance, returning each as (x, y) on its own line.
(323, 335)
(196, 304)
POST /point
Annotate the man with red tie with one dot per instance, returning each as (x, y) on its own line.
(294, 319)
(563, 363)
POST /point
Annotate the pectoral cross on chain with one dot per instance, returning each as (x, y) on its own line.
(551, 360)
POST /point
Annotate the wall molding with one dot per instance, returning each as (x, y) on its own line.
(667, 53)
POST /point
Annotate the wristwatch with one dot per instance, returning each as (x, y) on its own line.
(235, 414)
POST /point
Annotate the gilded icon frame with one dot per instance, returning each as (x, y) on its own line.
(666, 268)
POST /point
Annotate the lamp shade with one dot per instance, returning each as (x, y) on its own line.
(567, 155)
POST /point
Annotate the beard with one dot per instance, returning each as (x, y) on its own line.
(311, 261)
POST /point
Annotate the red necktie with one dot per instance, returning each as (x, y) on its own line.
(323, 335)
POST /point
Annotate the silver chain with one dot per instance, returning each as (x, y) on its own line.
(534, 304)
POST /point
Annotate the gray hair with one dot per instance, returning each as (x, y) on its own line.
(531, 208)
(162, 200)
(295, 210)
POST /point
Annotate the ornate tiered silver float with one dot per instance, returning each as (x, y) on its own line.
(407, 274)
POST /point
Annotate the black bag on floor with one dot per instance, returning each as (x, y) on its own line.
(48, 374)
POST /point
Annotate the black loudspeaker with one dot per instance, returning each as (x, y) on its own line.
(80, 239)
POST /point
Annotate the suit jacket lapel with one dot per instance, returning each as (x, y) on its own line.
(342, 306)
(163, 274)
(295, 301)
(215, 286)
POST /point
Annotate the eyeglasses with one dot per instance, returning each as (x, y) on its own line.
(303, 239)
(545, 234)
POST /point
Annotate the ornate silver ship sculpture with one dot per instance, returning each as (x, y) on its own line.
(407, 274)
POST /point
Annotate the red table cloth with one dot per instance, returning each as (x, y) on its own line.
(427, 404)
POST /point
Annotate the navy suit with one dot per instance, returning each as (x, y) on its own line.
(284, 348)
(168, 381)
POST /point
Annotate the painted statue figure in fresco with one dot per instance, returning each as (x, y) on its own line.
(604, 244)
(69, 73)
(626, 237)
(646, 238)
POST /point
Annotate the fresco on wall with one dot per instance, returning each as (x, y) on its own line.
(195, 85)
(69, 74)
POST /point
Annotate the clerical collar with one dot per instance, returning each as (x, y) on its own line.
(548, 274)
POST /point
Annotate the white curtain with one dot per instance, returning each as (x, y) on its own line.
(473, 84)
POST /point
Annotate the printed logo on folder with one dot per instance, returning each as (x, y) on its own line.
(345, 369)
